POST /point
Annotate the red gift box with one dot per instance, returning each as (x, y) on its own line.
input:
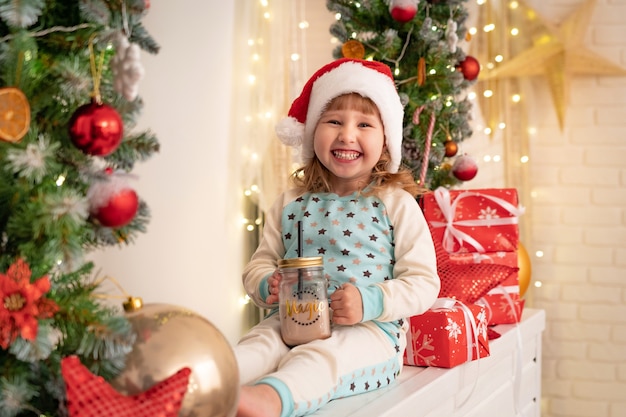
(447, 335)
(476, 235)
(497, 258)
(503, 303)
(482, 221)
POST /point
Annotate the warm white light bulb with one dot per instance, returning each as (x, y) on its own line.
(524, 159)
(516, 98)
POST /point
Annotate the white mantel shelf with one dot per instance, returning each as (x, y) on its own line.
(505, 384)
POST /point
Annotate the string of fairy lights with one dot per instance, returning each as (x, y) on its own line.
(502, 29)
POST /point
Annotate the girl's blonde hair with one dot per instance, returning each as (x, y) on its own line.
(314, 177)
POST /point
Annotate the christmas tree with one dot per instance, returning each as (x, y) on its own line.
(421, 42)
(69, 71)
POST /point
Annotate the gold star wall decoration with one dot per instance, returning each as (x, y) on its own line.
(558, 55)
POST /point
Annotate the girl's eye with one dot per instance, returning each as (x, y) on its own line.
(364, 124)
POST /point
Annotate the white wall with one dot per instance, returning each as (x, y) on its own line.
(191, 254)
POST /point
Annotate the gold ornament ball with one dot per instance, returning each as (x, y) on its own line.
(170, 338)
(451, 148)
(524, 273)
(445, 167)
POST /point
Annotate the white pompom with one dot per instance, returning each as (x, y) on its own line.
(290, 131)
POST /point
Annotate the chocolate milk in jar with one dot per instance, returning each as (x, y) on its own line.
(303, 300)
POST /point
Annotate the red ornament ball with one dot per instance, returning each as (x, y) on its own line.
(96, 129)
(119, 210)
(464, 168)
(451, 148)
(403, 10)
(470, 67)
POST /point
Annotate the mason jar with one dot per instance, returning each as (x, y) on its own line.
(303, 300)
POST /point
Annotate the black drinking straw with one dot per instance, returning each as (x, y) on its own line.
(300, 284)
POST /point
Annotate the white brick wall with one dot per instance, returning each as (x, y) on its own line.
(577, 217)
(578, 179)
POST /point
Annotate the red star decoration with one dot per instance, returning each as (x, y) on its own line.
(467, 283)
(89, 395)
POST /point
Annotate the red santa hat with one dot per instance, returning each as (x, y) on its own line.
(370, 79)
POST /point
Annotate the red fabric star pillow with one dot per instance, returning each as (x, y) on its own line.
(468, 283)
(89, 395)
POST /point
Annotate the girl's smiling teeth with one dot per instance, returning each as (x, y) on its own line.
(349, 155)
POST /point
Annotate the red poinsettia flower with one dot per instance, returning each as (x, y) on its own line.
(22, 303)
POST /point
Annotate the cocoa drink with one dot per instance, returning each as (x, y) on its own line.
(303, 300)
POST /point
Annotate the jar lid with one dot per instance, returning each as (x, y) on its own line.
(301, 262)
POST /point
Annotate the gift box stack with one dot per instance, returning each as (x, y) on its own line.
(476, 237)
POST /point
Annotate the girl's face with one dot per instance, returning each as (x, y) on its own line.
(349, 140)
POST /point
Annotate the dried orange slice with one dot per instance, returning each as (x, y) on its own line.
(14, 114)
(353, 49)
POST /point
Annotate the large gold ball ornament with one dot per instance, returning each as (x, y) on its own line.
(525, 269)
(170, 338)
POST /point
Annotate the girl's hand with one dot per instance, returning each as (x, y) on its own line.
(274, 287)
(347, 305)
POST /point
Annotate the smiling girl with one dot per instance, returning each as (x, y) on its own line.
(359, 211)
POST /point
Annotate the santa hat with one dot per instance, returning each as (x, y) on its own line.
(370, 79)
